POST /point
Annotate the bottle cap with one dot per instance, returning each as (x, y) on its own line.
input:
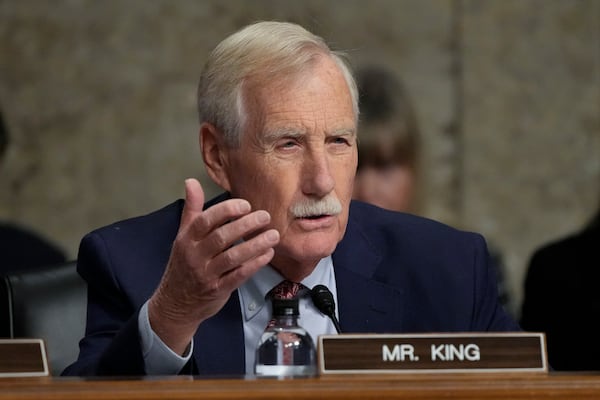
(285, 307)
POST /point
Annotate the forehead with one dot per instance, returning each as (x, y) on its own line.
(317, 96)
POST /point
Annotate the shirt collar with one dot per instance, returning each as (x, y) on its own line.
(253, 293)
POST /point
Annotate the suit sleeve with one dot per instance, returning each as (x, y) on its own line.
(488, 313)
(111, 345)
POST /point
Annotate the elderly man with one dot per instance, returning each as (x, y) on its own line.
(184, 289)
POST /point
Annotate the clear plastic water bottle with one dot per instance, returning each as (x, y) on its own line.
(285, 348)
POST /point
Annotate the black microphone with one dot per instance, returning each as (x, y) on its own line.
(323, 299)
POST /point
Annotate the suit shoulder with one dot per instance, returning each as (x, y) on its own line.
(156, 221)
(113, 255)
(576, 250)
(567, 245)
(375, 221)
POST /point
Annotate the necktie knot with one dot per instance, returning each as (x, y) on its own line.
(285, 290)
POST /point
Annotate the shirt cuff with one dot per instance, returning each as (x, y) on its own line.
(159, 359)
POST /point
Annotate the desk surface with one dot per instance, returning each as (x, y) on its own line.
(421, 386)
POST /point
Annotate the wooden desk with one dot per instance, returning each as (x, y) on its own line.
(422, 387)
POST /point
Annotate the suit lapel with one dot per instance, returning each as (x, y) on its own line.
(365, 303)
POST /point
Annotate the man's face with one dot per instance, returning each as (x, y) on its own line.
(299, 147)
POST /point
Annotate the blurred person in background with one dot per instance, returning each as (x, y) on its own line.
(388, 140)
(561, 298)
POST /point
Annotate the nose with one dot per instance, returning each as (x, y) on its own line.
(317, 179)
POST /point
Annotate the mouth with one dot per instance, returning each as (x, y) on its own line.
(315, 217)
(316, 222)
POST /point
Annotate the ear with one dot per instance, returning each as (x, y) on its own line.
(214, 152)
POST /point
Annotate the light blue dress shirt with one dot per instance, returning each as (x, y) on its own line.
(159, 359)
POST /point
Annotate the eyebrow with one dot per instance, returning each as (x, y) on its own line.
(278, 133)
(342, 132)
(296, 133)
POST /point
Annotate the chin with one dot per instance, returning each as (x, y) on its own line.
(313, 249)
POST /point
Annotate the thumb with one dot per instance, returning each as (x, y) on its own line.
(194, 200)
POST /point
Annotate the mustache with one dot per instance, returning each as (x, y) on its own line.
(312, 207)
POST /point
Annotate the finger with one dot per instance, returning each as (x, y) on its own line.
(194, 201)
(227, 234)
(217, 215)
(237, 276)
(243, 252)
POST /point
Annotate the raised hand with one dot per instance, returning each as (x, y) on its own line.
(208, 261)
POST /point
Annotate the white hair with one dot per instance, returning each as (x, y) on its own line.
(264, 50)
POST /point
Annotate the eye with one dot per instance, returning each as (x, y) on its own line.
(340, 140)
(287, 144)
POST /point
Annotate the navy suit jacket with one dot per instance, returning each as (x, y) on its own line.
(394, 272)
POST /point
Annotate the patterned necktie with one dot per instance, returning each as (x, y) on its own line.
(285, 290)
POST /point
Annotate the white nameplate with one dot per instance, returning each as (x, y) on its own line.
(426, 353)
(23, 358)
